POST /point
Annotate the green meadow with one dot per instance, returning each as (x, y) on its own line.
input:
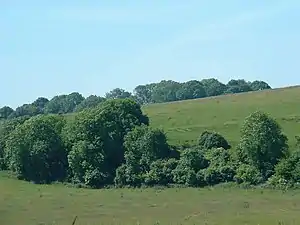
(27, 204)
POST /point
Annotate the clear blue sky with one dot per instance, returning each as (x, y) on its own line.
(55, 47)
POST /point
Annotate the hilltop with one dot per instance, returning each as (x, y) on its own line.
(183, 121)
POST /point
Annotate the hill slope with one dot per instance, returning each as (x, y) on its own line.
(184, 121)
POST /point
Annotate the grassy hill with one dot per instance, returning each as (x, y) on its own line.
(184, 121)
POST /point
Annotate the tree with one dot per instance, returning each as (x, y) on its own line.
(55, 105)
(6, 128)
(165, 91)
(5, 112)
(143, 93)
(24, 110)
(191, 90)
(237, 86)
(259, 85)
(287, 171)
(35, 152)
(118, 93)
(99, 133)
(262, 143)
(40, 103)
(191, 161)
(210, 140)
(71, 101)
(63, 103)
(90, 102)
(222, 167)
(143, 146)
(248, 174)
(213, 87)
(160, 172)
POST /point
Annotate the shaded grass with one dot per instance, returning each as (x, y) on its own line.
(185, 120)
(28, 204)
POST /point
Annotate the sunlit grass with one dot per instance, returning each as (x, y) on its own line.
(184, 121)
(27, 204)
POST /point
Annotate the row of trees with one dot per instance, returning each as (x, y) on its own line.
(164, 91)
(113, 144)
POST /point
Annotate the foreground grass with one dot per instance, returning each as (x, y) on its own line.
(184, 121)
(28, 204)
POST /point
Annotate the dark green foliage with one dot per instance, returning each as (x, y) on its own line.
(110, 142)
(165, 91)
(90, 102)
(213, 87)
(161, 172)
(118, 93)
(191, 90)
(128, 175)
(5, 112)
(143, 93)
(259, 85)
(184, 175)
(40, 103)
(194, 159)
(210, 140)
(262, 143)
(63, 103)
(143, 146)
(288, 170)
(99, 134)
(86, 161)
(5, 129)
(248, 174)
(237, 86)
(35, 151)
(222, 168)
(25, 110)
(191, 161)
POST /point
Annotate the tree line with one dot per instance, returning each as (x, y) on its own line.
(164, 91)
(113, 144)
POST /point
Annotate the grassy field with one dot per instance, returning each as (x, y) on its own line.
(184, 121)
(24, 203)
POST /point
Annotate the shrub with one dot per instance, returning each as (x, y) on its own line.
(262, 143)
(161, 172)
(287, 171)
(248, 174)
(210, 140)
(35, 151)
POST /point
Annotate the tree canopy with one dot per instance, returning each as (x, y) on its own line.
(163, 91)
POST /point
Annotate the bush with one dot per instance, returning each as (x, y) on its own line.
(287, 171)
(210, 140)
(161, 172)
(193, 158)
(248, 174)
(262, 143)
(95, 140)
(184, 175)
(191, 161)
(35, 151)
(128, 175)
(146, 154)
(222, 168)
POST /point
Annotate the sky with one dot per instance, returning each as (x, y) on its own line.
(57, 47)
